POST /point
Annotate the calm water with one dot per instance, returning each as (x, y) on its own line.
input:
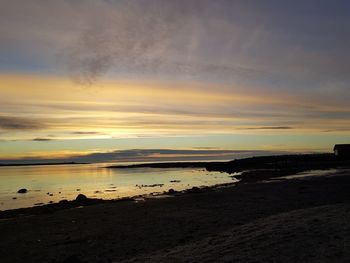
(95, 181)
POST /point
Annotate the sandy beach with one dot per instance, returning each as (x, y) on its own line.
(295, 220)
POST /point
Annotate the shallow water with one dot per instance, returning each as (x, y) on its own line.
(57, 182)
(311, 173)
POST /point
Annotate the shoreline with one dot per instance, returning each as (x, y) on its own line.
(250, 170)
(135, 231)
(118, 184)
(69, 204)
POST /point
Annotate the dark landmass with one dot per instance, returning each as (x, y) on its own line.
(259, 168)
(267, 167)
(165, 165)
(296, 220)
(30, 164)
(298, 161)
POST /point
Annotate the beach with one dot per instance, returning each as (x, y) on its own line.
(284, 220)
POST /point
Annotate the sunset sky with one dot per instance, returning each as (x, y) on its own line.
(172, 79)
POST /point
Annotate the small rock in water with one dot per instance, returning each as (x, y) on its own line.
(175, 181)
(172, 191)
(14, 198)
(78, 189)
(22, 191)
(81, 198)
(149, 185)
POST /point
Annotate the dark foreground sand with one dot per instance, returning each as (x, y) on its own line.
(320, 234)
(290, 221)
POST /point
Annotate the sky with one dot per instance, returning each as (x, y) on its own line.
(140, 80)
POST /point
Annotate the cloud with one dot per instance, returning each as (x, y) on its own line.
(16, 123)
(269, 128)
(134, 108)
(222, 41)
(42, 139)
(128, 36)
(277, 46)
(87, 133)
(158, 39)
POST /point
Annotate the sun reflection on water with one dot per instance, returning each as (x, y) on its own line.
(47, 184)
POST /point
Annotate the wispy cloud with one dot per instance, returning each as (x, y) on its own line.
(17, 123)
(278, 45)
(87, 133)
(269, 128)
(179, 44)
(151, 109)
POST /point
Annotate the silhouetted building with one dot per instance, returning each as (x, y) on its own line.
(342, 150)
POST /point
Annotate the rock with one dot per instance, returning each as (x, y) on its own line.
(22, 191)
(64, 201)
(172, 191)
(81, 198)
(14, 198)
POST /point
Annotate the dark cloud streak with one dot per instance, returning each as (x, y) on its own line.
(268, 128)
(42, 139)
(16, 123)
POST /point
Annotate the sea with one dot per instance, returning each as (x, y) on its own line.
(53, 183)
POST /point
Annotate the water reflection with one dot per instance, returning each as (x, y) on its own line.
(54, 183)
(311, 173)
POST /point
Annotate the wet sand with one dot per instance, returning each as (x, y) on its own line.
(297, 220)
